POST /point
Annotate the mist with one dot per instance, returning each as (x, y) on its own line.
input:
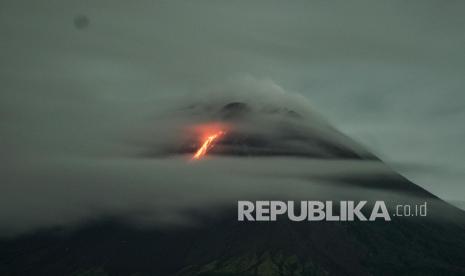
(81, 178)
(89, 91)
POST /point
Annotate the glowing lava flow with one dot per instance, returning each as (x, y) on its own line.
(207, 145)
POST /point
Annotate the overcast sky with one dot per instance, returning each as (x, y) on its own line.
(76, 75)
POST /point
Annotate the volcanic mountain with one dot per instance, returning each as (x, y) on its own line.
(261, 130)
(312, 160)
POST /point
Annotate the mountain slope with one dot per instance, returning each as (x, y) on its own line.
(220, 245)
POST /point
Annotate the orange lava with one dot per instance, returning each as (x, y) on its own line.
(207, 145)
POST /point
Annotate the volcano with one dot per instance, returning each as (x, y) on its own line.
(220, 245)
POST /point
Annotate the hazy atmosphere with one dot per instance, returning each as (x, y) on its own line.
(88, 86)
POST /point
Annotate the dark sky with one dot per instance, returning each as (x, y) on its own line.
(79, 79)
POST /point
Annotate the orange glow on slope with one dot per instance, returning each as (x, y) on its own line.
(207, 145)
